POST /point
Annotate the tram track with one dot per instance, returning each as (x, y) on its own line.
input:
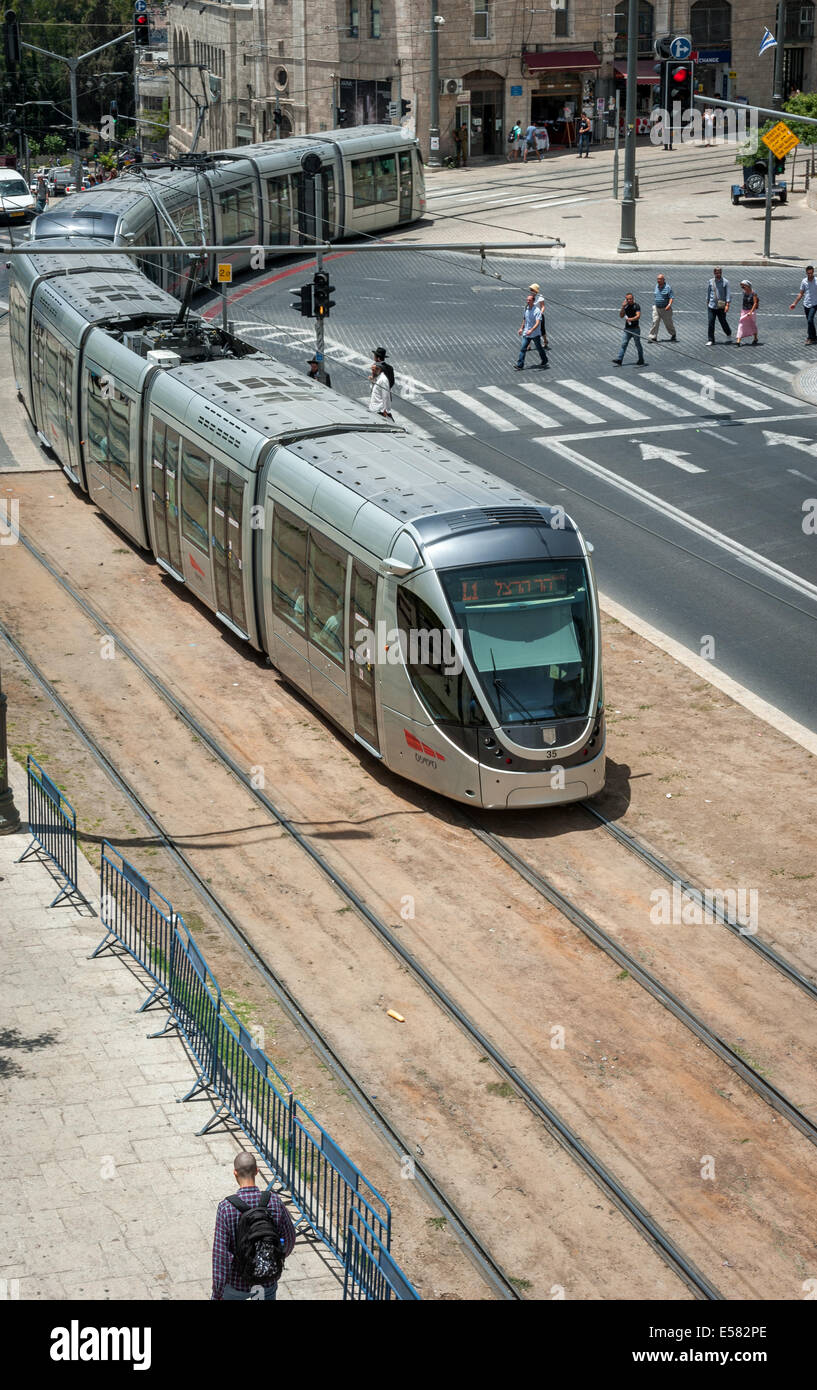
(567, 1137)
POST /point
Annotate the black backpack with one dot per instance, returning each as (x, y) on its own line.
(258, 1258)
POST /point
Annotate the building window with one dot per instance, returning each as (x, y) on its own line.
(710, 23)
(481, 29)
(562, 29)
(799, 20)
(374, 28)
(646, 29)
(354, 18)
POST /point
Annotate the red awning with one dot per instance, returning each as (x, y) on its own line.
(562, 60)
(645, 73)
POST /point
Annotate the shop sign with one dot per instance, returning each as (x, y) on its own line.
(713, 55)
(516, 91)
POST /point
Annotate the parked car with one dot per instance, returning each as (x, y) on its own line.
(16, 200)
(753, 188)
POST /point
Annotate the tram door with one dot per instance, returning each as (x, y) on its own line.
(362, 671)
(165, 496)
(406, 186)
(228, 515)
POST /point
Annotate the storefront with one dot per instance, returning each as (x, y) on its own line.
(565, 82)
(648, 91)
(712, 71)
(482, 109)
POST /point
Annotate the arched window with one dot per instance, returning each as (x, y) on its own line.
(646, 29)
(710, 24)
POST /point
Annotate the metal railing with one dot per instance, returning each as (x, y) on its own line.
(328, 1190)
(370, 1274)
(52, 821)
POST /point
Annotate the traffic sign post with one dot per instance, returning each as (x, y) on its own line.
(680, 47)
(225, 278)
(780, 139)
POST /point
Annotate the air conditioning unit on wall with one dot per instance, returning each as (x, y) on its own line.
(450, 86)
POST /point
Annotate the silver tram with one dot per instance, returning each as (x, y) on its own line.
(445, 621)
(371, 179)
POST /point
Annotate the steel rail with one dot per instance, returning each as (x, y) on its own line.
(488, 1267)
(559, 1130)
(641, 851)
(595, 933)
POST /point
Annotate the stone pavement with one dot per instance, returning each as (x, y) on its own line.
(105, 1192)
(684, 213)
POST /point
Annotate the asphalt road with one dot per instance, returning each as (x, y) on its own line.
(690, 475)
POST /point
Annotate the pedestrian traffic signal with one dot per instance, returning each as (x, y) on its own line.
(341, 115)
(277, 117)
(141, 30)
(405, 107)
(323, 290)
(11, 39)
(303, 300)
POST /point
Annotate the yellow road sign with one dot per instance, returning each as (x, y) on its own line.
(780, 139)
(225, 272)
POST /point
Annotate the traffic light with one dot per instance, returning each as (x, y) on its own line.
(141, 29)
(11, 39)
(780, 165)
(680, 79)
(277, 117)
(341, 115)
(303, 300)
(323, 290)
(405, 107)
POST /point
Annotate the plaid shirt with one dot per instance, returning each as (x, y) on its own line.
(224, 1239)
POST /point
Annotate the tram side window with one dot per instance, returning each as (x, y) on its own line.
(278, 211)
(429, 656)
(325, 599)
(17, 330)
(289, 536)
(108, 441)
(329, 202)
(386, 178)
(195, 495)
(119, 408)
(52, 368)
(237, 215)
(363, 187)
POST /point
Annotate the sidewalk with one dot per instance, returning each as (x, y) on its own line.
(107, 1193)
(684, 213)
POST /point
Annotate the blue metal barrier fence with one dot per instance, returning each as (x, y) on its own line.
(53, 824)
(327, 1189)
(370, 1274)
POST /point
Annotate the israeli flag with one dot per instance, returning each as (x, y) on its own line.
(768, 41)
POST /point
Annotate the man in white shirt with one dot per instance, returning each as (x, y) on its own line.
(808, 294)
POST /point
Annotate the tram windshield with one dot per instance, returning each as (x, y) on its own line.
(528, 629)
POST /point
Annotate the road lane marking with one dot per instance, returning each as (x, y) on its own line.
(443, 416)
(586, 416)
(700, 528)
(726, 391)
(601, 399)
(674, 456)
(696, 397)
(497, 422)
(666, 407)
(546, 422)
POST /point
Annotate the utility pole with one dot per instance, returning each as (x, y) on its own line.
(434, 95)
(777, 99)
(627, 241)
(72, 64)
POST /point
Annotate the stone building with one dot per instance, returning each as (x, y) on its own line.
(283, 65)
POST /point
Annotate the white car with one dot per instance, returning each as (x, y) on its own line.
(16, 201)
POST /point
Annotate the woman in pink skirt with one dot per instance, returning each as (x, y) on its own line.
(748, 319)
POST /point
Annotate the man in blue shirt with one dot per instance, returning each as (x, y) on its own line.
(808, 294)
(530, 143)
(531, 332)
(662, 310)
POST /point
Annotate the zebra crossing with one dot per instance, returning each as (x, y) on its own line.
(650, 401)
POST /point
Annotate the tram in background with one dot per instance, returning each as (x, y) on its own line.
(371, 179)
(445, 621)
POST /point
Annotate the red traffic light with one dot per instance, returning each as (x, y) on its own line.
(141, 21)
(680, 75)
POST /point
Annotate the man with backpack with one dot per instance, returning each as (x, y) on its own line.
(254, 1236)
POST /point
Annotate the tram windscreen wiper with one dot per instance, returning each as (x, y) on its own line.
(500, 686)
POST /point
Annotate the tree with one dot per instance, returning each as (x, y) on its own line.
(54, 144)
(803, 104)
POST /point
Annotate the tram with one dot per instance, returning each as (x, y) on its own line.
(445, 621)
(371, 179)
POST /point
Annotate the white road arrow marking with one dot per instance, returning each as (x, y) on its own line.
(794, 441)
(673, 456)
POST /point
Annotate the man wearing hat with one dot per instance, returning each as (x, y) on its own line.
(531, 332)
(314, 367)
(379, 354)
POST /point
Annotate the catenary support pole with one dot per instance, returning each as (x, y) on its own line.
(9, 815)
(434, 95)
(627, 241)
(777, 98)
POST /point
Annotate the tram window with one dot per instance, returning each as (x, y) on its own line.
(363, 187)
(237, 215)
(329, 202)
(119, 437)
(386, 179)
(428, 652)
(195, 488)
(52, 367)
(97, 440)
(289, 536)
(17, 330)
(278, 211)
(325, 599)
